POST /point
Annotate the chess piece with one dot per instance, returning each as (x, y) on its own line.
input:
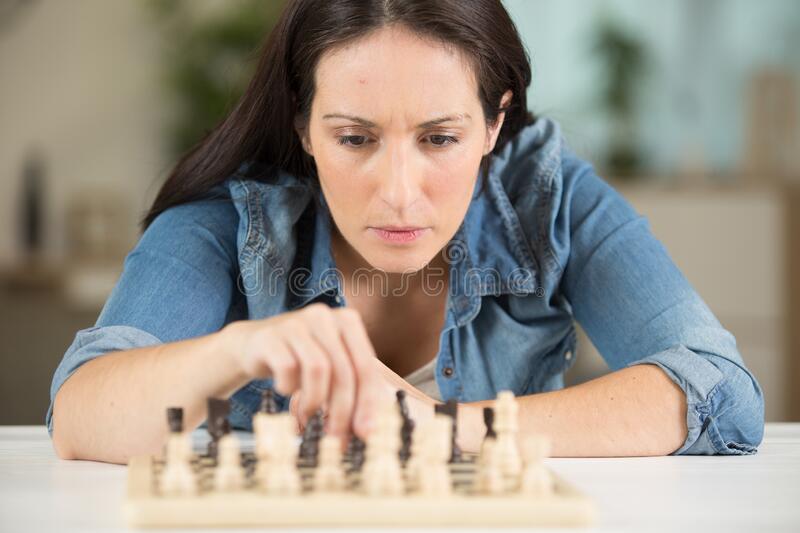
(382, 474)
(309, 447)
(407, 429)
(356, 453)
(489, 437)
(450, 408)
(269, 405)
(490, 479)
(536, 479)
(177, 478)
(264, 433)
(488, 420)
(433, 473)
(218, 410)
(229, 473)
(329, 475)
(279, 475)
(505, 450)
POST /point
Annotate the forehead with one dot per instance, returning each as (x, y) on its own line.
(393, 71)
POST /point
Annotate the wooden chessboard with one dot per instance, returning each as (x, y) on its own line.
(145, 507)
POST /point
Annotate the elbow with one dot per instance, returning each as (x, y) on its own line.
(59, 436)
(62, 449)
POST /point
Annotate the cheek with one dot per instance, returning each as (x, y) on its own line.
(340, 180)
(450, 186)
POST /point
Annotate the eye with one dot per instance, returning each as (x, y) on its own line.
(357, 141)
(442, 140)
(348, 140)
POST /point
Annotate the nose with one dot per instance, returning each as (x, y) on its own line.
(399, 185)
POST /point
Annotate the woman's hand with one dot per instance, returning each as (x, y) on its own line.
(319, 354)
(420, 405)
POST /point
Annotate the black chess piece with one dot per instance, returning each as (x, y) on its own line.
(407, 429)
(488, 420)
(309, 446)
(269, 404)
(355, 451)
(450, 408)
(175, 419)
(217, 423)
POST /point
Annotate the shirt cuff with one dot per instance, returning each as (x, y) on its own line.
(90, 343)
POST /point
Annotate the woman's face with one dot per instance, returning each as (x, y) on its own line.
(397, 133)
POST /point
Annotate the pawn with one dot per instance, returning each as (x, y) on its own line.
(413, 464)
(490, 478)
(489, 437)
(177, 478)
(355, 452)
(490, 475)
(229, 474)
(506, 449)
(407, 428)
(382, 474)
(269, 404)
(279, 475)
(536, 479)
(433, 473)
(329, 476)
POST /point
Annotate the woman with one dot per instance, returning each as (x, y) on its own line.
(379, 205)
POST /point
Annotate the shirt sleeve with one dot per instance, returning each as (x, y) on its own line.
(176, 283)
(638, 308)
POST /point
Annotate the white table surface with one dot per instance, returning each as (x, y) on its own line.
(39, 492)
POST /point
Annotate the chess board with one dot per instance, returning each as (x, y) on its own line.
(146, 507)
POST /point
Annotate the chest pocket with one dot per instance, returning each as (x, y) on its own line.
(524, 344)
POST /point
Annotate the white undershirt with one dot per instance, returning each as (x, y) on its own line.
(424, 379)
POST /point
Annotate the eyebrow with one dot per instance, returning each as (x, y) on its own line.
(458, 117)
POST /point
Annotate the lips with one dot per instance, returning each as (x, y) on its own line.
(399, 234)
(400, 228)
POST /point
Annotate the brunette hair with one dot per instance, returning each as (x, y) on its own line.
(261, 126)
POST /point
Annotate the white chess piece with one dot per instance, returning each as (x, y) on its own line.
(536, 479)
(433, 475)
(263, 433)
(506, 450)
(489, 478)
(382, 474)
(229, 473)
(329, 475)
(281, 476)
(177, 478)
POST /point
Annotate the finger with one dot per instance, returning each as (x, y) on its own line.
(315, 371)
(284, 368)
(362, 354)
(341, 397)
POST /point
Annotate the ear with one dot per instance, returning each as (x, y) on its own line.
(494, 130)
(302, 132)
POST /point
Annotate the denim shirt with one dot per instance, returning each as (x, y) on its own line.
(544, 242)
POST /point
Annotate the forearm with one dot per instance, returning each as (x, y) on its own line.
(636, 411)
(113, 406)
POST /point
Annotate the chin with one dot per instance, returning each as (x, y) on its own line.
(398, 261)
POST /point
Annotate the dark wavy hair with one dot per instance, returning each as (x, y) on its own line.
(261, 126)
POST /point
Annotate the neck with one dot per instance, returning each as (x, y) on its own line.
(348, 261)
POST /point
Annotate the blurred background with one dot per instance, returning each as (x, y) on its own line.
(688, 107)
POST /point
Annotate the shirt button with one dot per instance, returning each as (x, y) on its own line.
(338, 299)
(448, 371)
(568, 355)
